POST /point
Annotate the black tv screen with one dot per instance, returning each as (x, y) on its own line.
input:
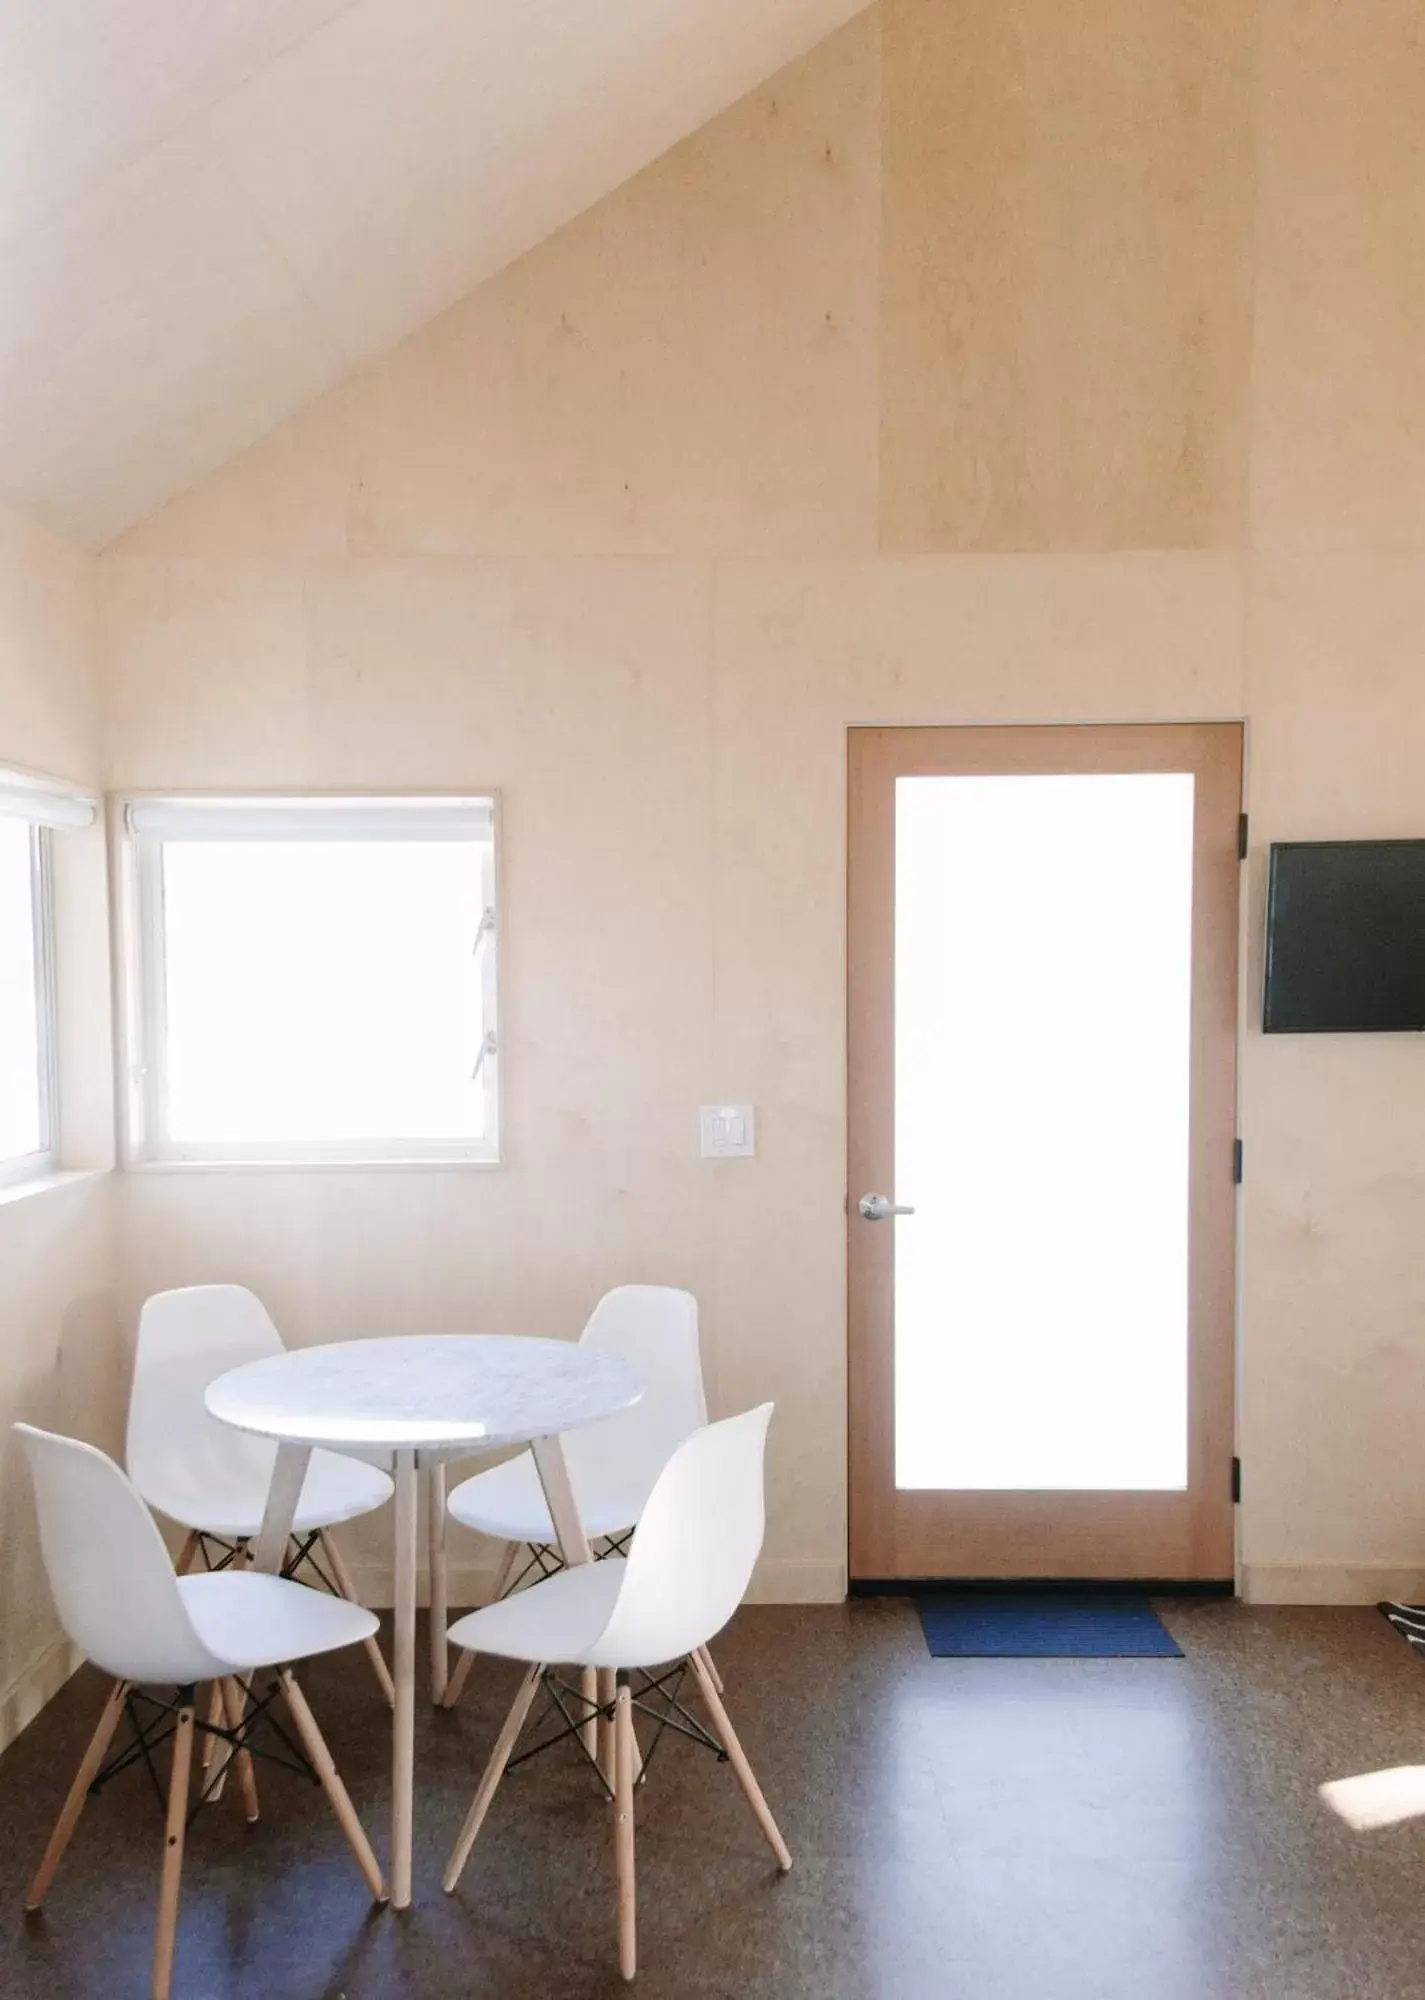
(1345, 937)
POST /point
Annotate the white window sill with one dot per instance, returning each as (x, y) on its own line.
(48, 1184)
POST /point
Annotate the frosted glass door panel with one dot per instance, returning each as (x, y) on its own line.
(1043, 946)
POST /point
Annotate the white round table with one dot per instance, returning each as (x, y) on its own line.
(417, 1401)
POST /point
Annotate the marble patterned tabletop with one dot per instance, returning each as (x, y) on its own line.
(424, 1392)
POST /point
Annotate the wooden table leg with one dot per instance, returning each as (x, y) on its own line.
(282, 1497)
(439, 1608)
(559, 1494)
(574, 1547)
(404, 1663)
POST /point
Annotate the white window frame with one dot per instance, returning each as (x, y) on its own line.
(143, 821)
(32, 1166)
(46, 805)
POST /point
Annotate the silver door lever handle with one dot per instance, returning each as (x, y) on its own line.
(876, 1207)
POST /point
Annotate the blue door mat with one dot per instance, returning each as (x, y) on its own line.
(1043, 1625)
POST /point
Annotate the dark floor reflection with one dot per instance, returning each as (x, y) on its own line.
(1067, 1830)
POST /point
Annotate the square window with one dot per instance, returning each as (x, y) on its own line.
(317, 980)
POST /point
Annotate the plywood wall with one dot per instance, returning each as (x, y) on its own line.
(1066, 277)
(60, 1359)
(1003, 360)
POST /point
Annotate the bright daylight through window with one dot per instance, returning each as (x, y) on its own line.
(26, 1110)
(317, 979)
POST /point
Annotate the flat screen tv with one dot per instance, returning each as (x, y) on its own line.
(1345, 937)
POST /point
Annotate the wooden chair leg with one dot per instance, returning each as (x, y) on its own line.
(737, 1757)
(455, 1686)
(506, 1570)
(623, 1830)
(589, 1697)
(89, 1765)
(608, 1732)
(713, 1675)
(213, 1744)
(455, 1683)
(186, 1553)
(235, 1706)
(315, 1745)
(607, 1737)
(493, 1772)
(342, 1576)
(439, 1595)
(173, 1831)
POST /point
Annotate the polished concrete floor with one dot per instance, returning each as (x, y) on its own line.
(962, 1830)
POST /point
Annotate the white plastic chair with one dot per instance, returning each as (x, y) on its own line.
(684, 1576)
(208, 1477)
(123, 1607)
(612, 1465)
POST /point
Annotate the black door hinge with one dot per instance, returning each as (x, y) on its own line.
(1236, 1479)
(1236, 1163)
(1241, 836)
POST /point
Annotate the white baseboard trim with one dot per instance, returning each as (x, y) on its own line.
(470, 1583)
(36, 1683)
(1332, 1583)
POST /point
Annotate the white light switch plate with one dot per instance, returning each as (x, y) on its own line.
(729, 1131)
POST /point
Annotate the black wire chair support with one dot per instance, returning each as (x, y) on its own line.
(154, 1721)
(560, 1694)
(546, 1559)
(300, 1554)
(227, 1552)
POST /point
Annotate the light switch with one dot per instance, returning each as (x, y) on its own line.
(729, 1131)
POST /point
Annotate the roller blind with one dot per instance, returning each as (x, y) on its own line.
(311, 819)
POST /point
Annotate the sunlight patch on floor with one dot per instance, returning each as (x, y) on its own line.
(1378, 1798)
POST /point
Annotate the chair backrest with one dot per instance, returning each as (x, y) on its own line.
(694, 1549)
(176, 1452)
(655, 1329)
(111, 1576)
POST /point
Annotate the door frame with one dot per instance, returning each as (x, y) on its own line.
(1187, 1537)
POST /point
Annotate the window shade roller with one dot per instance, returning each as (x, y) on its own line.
(311, 819)
(44, 805)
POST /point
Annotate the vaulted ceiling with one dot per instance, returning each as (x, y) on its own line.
(212, 210)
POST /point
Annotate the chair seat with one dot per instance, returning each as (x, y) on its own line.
(508, 1503)
(559, 1620)
(247, 1619)
(336, 1489)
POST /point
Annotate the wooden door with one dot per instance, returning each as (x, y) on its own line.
(1048, 1389)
